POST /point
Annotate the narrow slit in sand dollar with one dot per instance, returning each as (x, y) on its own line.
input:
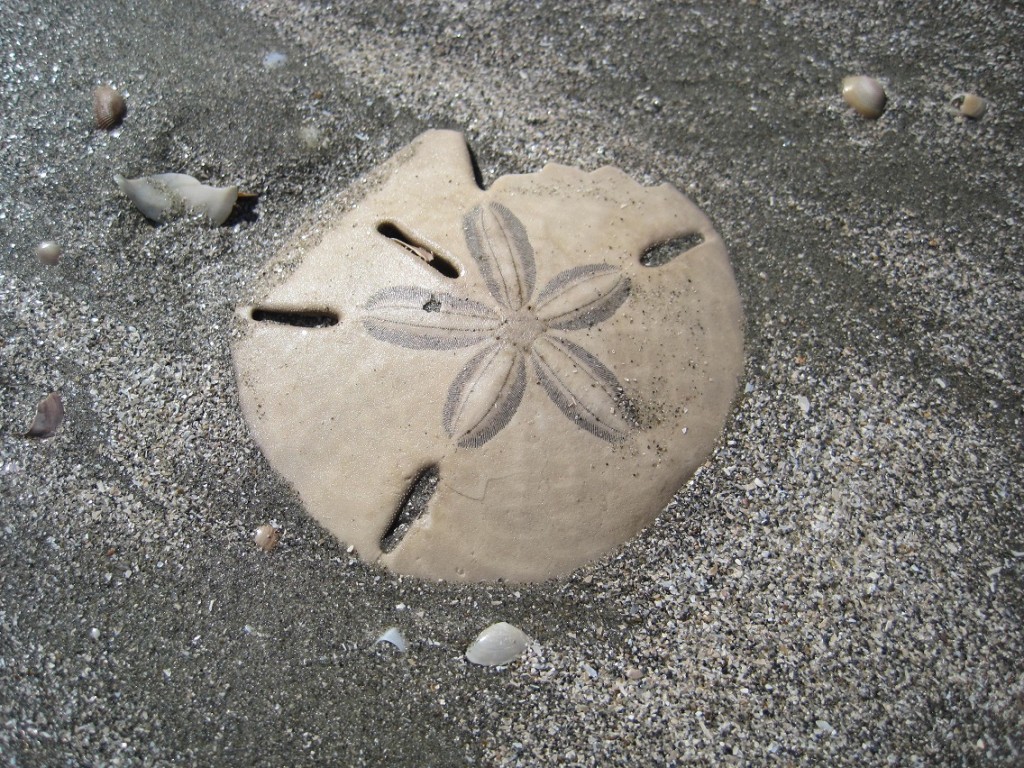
(421, 250)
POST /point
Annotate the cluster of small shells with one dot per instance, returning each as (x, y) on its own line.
(109, 109)
(867, 97)
(162, 196)
(498, 645)
(158, 197)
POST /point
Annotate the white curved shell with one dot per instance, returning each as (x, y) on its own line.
(166, 195)
(393, 636)
(498, 644)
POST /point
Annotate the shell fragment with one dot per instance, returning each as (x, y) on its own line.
(394, 637)
(166, 195)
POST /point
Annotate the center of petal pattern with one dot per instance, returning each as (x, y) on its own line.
(489, 388)
(522, 329)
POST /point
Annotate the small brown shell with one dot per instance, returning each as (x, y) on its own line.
(267, 537)
(865, 95)
(108, 107)
(49, 415)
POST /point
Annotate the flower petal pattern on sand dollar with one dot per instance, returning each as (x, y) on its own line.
(498, 242)
(582, 296)
(420, 319)
(490, 386)
(485, 395)
(582, 387)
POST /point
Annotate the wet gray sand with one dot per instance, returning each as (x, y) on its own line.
(840, 584)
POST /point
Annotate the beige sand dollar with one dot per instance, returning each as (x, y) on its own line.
(472, 384)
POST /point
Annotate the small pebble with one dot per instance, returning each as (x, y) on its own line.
(865, 95)
(48, 252)
(973, 106)
(267, 537)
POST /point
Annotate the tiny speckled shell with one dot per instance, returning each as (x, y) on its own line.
(865, 95)
(498, 644)
(108, 107)
(267, 537)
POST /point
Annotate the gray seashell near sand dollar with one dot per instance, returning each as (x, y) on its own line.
(479, 384)
(499, 644)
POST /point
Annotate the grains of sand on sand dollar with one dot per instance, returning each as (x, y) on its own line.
(267, 537)
(865, 95)
(973, 106)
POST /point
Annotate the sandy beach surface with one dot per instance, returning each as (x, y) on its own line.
(840, 584)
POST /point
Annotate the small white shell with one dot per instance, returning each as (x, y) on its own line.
(108, 107)
(166, 195)
(48, 252)
(266, 537)
(498, 644)
(973, 106)
(393, 636)
(865, 95)
(275, 60)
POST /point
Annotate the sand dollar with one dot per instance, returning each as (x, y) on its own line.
(474, 384)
